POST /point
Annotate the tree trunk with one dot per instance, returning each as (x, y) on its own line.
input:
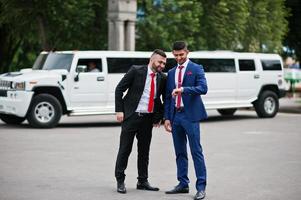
(42, 33)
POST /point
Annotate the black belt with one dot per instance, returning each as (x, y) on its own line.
(180, 109)
(143, 114)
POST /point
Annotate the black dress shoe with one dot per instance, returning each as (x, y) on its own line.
(178, 189)
(200, 195)
(121, 187)
(146, 186)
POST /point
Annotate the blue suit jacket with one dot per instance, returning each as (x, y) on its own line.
(194, 84)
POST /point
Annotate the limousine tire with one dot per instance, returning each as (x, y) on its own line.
(227, 112)
(267, 104)
(45, 111)
(11, 119)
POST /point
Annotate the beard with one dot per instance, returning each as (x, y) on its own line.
(157, 68)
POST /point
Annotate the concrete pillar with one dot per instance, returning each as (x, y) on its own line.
(121, 20)
(130, 36)
(116, 35)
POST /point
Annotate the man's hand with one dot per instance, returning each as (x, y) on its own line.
(177, 91)
(167, 126)
(119, 116)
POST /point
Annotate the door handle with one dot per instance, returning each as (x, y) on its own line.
(100, 78)
(256, 76)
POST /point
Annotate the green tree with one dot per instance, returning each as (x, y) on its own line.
(242, 25)
(170, 21)
(293, 38)
(29, 26)
(266, 26)
(223, 23)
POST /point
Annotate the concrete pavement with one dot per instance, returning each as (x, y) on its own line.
(247, 159)
(290, 105)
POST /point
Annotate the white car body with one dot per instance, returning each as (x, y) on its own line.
(81, 93)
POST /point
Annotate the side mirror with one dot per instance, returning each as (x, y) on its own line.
(79, 69)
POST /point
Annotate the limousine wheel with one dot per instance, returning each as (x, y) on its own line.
(267, 104)
(45, 111)
(227, 112)
(11, 119)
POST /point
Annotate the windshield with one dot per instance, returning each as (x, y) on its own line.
(53, 61)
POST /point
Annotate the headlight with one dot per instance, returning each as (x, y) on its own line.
(18, 85)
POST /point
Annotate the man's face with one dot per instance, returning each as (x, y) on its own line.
(158, 63)
(180, 55)
(91, 65)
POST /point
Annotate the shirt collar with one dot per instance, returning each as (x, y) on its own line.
(149, 71)
(184, 64)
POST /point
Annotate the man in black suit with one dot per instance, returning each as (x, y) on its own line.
(138, 111)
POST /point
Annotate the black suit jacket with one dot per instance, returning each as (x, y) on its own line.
(134, 81)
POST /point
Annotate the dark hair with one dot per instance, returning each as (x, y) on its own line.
(179, 45)
(159, 52)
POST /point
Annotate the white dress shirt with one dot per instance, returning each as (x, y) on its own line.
(143, 103)
(183, 73)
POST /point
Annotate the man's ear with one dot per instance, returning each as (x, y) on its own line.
(151, 60)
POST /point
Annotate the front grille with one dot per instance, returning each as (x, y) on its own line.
(5, 85)
(3, 93)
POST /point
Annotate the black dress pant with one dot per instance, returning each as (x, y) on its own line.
(139, 125)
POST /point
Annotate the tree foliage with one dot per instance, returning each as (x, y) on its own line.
(293, 38)
(163, 24)
(29, 26)
(241, 25)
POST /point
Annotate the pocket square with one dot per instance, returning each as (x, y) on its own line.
(189, 73)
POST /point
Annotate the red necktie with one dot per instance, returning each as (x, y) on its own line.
(151, 94)
(178, 105)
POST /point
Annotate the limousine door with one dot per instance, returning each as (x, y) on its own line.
(88, 92)
(221, 80)
(248, 81)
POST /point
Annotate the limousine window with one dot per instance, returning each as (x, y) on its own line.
(51, 61)
(122, 65)
(86, 62)
(170, 63)
(271, 64)
(216, 65)
(246, 65)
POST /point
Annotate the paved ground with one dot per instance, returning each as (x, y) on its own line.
(290, 105)
(247, 158)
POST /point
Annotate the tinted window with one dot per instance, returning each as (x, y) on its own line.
(39, 62)
(216, 65)
(170, 63)
(122, 65)
(53, 61)
(87, 62)
(246, 65)
(271, 64)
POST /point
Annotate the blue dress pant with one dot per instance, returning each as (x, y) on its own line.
(182, 129)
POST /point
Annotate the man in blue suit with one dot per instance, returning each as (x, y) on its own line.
(183, 111)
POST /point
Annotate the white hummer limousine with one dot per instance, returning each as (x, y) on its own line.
(59, 84)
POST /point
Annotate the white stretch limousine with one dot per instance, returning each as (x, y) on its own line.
(59, 84)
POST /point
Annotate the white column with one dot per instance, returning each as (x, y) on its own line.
(119, 35)
(130, 36)
(111, 35)
(116, 35)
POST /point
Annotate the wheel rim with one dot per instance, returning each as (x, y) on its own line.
(44, 112)
(269, 105)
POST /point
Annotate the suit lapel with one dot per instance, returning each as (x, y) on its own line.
(143, 73)
(187, 70)
(173, 74)
(158, 80)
